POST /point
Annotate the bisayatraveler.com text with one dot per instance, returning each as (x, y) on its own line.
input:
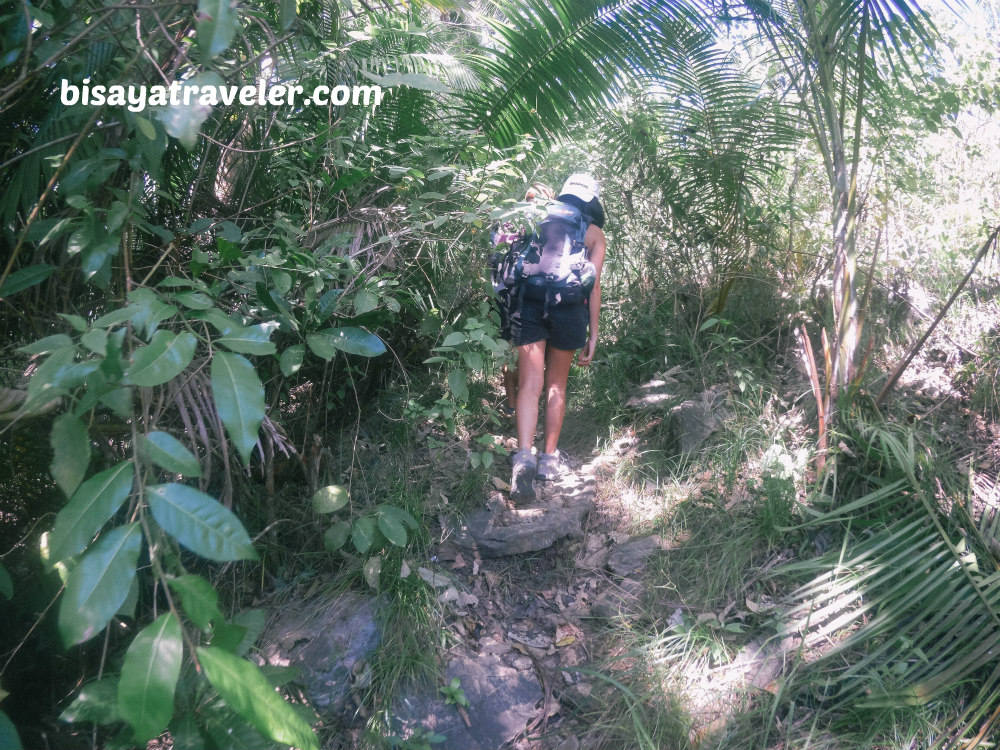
(136, 98)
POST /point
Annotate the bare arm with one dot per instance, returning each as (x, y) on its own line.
(596, 248)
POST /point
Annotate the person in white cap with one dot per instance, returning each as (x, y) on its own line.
(547, 340)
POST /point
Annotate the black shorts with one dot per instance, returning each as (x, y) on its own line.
(565, 327)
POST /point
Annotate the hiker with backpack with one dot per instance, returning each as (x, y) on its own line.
(548, 284)
(503, 238)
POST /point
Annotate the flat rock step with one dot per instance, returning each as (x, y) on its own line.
(557, 512)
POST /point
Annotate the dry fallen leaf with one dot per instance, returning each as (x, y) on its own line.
(566, 640)
(501, 485)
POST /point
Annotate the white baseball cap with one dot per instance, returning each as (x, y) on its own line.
(583, 186)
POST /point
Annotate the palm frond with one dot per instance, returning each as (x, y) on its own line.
(907, 610)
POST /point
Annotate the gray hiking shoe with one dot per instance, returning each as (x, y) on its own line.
(525, 468)
(550, 466)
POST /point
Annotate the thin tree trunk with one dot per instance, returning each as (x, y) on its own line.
(891, 382)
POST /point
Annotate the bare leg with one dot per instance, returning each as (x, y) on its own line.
(556, 374)
(530, 378)
(510, 384)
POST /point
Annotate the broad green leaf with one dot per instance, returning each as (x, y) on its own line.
(149, 676)
(454, 339)
(336, 536)
(286, 14)
(26, 277)
(167, 452)
(199, 522)
(365, 301)
(199, 599)
(193, 300)
(363, 534)
(290, 360)
(250, 340)
(473, 360)
(150, 310)
(99, 584)
(217, 24)
(184, 121)
(392, 529)
(239, 399)
(400, 515)
(145, 127)
(253, 622)
(131, 601)
(96, 501)
(278, 675)
(48, 344)
(228, 636)
(372, 569)
(97, 702)
(330, 499)
(6, 583)
(163, 359)
(8, 734)
(326, 343)
(245, 689)
(96, 340)
(70, 452)
(56, 375)
(458, 384)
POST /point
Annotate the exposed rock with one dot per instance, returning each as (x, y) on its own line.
(625, 599)
(501, 702)
(695, 420)
(633, 557)
(331, 641)
(557, 512)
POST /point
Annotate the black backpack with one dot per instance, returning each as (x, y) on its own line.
(550, 263)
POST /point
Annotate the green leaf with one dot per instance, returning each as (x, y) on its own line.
(6, 583)
(26, 277)
(239, 399)
(286, 15)
(392, 529)
(193, 300)
(372, 569)
(70, 452)
(454, 338)
(149, 676)
(48, 344)
(363, 534)
(184, 121)
(228, 636)
(99, 584)
(199, 522)
(8, 734)
(96, 501)
(169, 453)
(251, 340)
(326, 343)
(473, 360)
(365, 301)
(96, 340)
(458, 383)
(97, 702)
(131, 601)
(336, 536)
(245, 689)
(252, 622)
(56, 375)
(290, 360)
(145, 127)
(199, 599)
(708, 324)
(330, 499)
(217, 23)
(166, 357)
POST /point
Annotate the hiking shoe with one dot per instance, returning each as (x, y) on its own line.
(525, 468)
(550, 466)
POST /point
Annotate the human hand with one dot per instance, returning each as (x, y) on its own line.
(587, 353)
